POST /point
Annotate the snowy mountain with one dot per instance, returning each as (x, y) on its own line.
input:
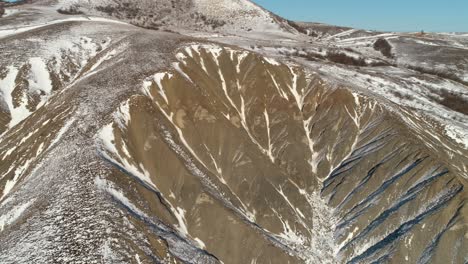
(203, 131)
(207, 15)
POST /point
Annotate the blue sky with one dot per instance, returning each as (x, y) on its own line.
(389, 15)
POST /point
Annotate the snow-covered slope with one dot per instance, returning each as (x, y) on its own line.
(239, 15)
(215, 132)
(219, 15)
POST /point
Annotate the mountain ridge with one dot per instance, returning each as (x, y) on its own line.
(121, 143)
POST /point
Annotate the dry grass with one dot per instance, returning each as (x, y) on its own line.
(342, 58)
(384, 47)
(72, 10)
(454, 102)
(297, 27)
(439, 73)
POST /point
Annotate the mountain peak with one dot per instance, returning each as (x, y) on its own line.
(223, 15)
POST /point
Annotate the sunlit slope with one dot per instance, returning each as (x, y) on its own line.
(128, 134)
(52, 207)
(245, 152)
(207, 15)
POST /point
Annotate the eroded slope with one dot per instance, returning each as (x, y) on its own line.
(237, 148)
(331, 153)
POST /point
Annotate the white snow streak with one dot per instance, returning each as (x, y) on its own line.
(13, 215)
(5, 32)
(7, 86)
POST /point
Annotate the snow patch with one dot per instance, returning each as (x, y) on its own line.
(40, 76)
(109, 150)
(180, 215)
(200, 243)
(62, 131)
(272, 61)
(5, 32)
(13, 215)
(7, 86)
(107, 186)
(12, 183)
(10, 11)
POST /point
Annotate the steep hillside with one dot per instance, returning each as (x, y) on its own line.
(209, 15)
(122, 141)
